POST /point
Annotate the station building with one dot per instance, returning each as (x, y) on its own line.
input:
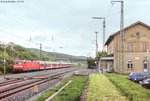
(136, 50)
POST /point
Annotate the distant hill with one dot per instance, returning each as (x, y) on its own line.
(58, 56)
(10, 52)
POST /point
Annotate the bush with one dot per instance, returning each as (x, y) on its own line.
(91, 63)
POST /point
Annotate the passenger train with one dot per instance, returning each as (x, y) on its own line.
(29, 65)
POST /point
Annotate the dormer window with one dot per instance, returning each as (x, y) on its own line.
(137, 34)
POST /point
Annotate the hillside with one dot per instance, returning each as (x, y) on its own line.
(58, 56)
(10, 52)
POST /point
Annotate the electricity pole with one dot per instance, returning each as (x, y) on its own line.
(121, 56)
(89, 54)
(40, 50)
(96, 44)
(104, 25)
(54, 54)
(4, 61)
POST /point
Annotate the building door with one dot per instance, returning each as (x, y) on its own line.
(145, 66)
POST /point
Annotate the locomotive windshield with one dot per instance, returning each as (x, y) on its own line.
(18, 62)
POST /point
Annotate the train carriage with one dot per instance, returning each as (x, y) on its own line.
(28, 65)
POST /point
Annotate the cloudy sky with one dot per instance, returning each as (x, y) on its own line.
(65, 23)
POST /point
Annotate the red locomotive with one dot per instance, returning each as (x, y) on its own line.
(28, 65)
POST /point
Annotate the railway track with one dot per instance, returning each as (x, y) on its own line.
(10, 82)
(17, 80)
(14, 89)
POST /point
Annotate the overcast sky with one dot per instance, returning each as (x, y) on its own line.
(65, 23)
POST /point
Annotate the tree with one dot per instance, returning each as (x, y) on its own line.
(101, 54)
(12, 53)
(91, 63)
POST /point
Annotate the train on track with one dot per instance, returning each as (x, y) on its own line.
(29, 65)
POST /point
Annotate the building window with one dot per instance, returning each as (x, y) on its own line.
(130, 64)
(145, 65)
(145, 46)
(137, 34)
(130, 46)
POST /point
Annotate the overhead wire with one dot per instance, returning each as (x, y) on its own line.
(109, 11)
(12, 39)
(12, 34)
(13, 19)
(16, 36)
(68, 30)
(71, 29)
(31, 41)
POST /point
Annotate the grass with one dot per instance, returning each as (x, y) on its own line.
(133, 91)
(108, 87)
(101, 89)
(71, 93)
(48, 93)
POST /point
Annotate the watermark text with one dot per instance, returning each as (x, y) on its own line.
(11, 1)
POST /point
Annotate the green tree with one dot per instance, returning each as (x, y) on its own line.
(12, 53)
(101, 54)
(91, 63)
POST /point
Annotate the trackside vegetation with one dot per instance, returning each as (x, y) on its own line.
(15, 52)
(133, 91)
(70, 93)
(91, 61)
(101, 89)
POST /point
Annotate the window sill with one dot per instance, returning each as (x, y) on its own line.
(130, 69)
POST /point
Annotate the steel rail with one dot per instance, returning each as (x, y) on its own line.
(15, 89)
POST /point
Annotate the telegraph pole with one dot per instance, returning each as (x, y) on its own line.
(4, 61)
(121, 56)
(104, 25)
(40, 51)
(96, 44)
(54, 54)
(89, 54)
